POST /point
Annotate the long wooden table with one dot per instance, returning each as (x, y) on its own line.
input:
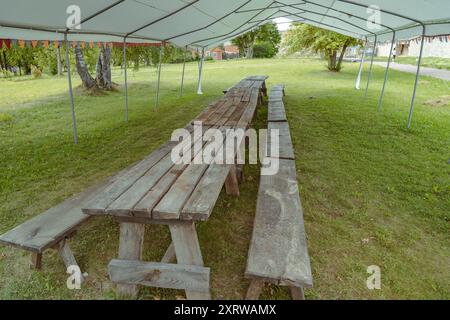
(157, 191)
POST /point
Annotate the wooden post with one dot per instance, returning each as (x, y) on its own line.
(254, 291)
(297, 293)
(187, 249)
(36, 261)
(231, 183)
(130, 248)
(170, 255)
(240, 173)
(66, 255)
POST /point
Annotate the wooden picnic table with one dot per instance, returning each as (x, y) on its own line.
(157, 191)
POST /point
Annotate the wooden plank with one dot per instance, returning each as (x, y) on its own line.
(204, 197)
(160, 275)
(187, 248)
(231, 183)
(249, 112)
(278, 250)
(233, 120)
(286, 149)
(123, 205)
(297, 293)
(254, 290)
(146, 205)
(130, 248)
(103, 199)
(50, 227)
(170, 255)
(276, 112)
(36, 261)
(173, 201)
(67, 256)
(148, 202)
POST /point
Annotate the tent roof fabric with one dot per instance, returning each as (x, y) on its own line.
(206, 23)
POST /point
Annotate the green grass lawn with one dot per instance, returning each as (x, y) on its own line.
(430, 62)
(373, 192)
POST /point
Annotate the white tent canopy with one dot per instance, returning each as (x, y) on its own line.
(204, 23)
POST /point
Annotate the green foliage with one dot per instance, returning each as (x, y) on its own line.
(265, 35)
(264, 50)
(306, 37)
(35, 71)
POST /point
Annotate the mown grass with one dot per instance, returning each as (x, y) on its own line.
(430, 62)
(373, 192)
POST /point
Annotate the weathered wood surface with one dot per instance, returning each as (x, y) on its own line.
(130, 248)
(285, 147)
(276, 112)
(254, 290)
(50, 227)
(278, 250)
(36, 261)
(160, 275)
(187, 248)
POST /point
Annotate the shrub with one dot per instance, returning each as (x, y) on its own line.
(36, 72)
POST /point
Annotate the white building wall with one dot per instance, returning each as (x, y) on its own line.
(435, 48)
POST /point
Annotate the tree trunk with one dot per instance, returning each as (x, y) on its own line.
(332, 57)
(249, 51)
(58, 60)
(86, 78)
(341, 57)
(103, 74)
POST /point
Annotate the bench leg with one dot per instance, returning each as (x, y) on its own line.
(297, 293)
(170, 255)
(187, 249)
(66, 255)
(254, 291)
(231, 183)
(240, 173)
(36, 261)
(130, 248)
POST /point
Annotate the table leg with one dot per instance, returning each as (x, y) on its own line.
(231, 183)
(187, 249)
(297, 293)
(254, 290)
(130, 248)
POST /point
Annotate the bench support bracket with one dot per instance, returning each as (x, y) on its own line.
(187, 249)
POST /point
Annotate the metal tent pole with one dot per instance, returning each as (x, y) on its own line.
(72, 104)
(371, 65)
(182, 75)
(200, 73)
(159, 75)
(417, 77)
(126, 78)
(380, 101)
(358, 78)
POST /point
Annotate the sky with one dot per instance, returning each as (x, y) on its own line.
(282, 23)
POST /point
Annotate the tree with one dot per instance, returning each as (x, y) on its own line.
(329, 43)
(267, 33)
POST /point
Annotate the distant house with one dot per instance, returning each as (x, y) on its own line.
(228, 52)
(433, 47)
(216, 53)
(231, 52)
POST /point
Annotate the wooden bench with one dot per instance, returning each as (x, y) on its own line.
(51, 229)
(278, 251)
